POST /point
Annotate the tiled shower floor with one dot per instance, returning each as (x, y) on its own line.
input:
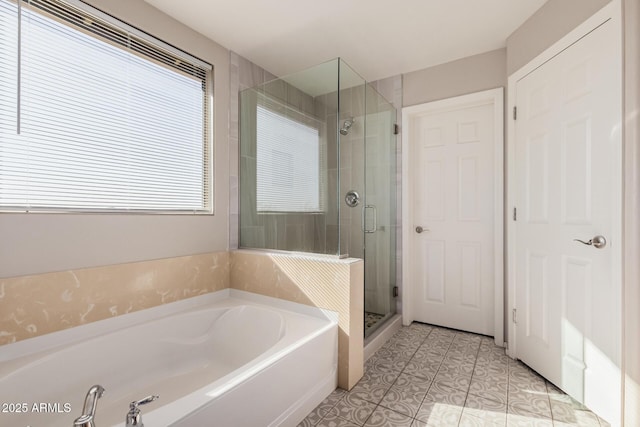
(370, 319)
(431, 376)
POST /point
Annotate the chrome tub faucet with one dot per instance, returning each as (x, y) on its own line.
(89, 410)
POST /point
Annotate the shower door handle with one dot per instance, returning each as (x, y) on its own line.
(375, 219)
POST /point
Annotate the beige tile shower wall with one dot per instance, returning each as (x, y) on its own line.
(36, 305)
(303, 232)
(325, 282)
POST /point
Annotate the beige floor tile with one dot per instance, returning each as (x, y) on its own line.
(443, 378)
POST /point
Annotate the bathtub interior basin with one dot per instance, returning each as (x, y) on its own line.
(190, 354)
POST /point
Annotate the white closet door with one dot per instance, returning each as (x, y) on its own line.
(568, 186)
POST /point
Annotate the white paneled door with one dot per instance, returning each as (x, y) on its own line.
(567, 188)
(455, 151)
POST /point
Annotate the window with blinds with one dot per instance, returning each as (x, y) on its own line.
(98, 116)
(287, 160)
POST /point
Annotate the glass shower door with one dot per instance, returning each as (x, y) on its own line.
(379, 211)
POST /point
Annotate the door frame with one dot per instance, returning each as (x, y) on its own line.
(496, 98)
(611, 11)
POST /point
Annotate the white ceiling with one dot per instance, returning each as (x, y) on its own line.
(378, 38)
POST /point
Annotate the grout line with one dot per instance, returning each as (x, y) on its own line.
(438, 370)
(400, 373)
(510, 367)
(546, 387)
(475, 362)
(398, 376)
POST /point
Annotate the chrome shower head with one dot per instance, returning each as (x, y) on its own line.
(347, 125)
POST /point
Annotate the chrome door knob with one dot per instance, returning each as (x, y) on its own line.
(420, 229)
(598, 242)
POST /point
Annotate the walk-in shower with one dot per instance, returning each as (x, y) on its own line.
(317, 174)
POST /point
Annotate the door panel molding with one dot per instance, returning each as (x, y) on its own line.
(466, 134)
(608, 12)
(575, 272)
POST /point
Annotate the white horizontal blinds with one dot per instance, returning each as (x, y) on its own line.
(8, 73)
(107, 120)
(288, 160)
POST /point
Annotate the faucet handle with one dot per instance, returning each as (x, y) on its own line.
(134, 418)
(134, 405)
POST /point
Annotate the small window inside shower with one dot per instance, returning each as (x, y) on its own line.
(287, 159)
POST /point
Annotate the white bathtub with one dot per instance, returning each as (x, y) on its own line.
(228, 359)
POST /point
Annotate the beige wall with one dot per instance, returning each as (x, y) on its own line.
(35, 305)
(467, 75)
(319, 281)
(39, 243)
(490, 69)
(631, 348)
(549, 24)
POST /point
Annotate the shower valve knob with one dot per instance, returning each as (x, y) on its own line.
(352, 199)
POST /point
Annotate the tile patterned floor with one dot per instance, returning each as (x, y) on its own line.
(431, 376)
